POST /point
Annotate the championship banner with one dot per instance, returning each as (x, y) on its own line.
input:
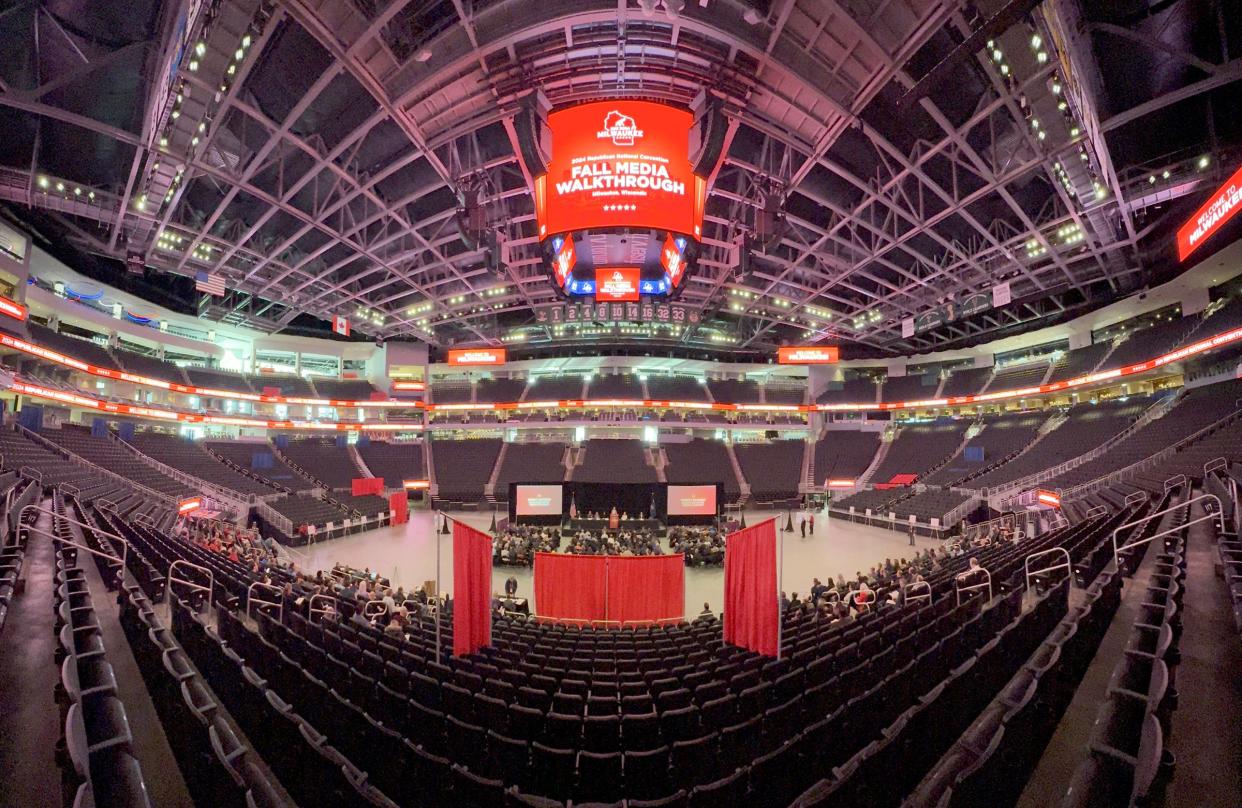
(627, 312)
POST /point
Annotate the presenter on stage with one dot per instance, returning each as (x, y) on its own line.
(614, 520)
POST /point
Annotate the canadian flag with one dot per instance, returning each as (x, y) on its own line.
(340, 325)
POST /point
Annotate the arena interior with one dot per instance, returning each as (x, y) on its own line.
(633, 403)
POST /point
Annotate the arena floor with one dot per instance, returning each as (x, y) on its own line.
(407, 554)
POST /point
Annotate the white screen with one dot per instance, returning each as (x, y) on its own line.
(538, 500)
(692, 500)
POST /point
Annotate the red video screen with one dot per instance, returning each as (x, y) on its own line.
(620, 163)
(538, 500)
(617, 284)
(692, 500)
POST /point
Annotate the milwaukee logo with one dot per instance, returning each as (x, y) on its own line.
(620, 129)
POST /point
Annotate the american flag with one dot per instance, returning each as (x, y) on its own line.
(209, 283)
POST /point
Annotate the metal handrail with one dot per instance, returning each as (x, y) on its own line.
(1151, 460)
(117, 559)
(210, 588)
(1174, 481)
(852, 601)
(312, 611)
(124, 559)
(1103, 511)
(368, 612)
(1213, 465)
(959, 589)
(908, 588)
(31, 472)
(1135, 498)
(251, 599)
(1219, 515)
(1050, 551)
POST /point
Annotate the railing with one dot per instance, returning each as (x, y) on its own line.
(122, 559)
(332, 602)
(251, 599)
(279, 520)
(212, 489)
(1147, 462)
(82, 461)
(1134, 498)
(1150, 414)
(1213, 465)
(1219, 515)
(1175, 481)
(31, 473)
(959, 589)
(1067, 565)
(374, 608)
(917, 586)
(210, 588)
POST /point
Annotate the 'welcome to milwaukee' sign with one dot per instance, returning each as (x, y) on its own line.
(1218, 210)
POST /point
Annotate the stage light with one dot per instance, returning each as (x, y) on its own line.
(1203, 162)
(43, 182)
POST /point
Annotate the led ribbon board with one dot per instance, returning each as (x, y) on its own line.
(620, 163)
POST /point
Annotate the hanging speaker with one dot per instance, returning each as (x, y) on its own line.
(530, 128)
(707, 136)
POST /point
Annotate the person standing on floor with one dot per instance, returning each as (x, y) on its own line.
(802, 524)
(911, 535)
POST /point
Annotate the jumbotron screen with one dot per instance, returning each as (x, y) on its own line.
(538, 500)
(692, 500)
(619, 164)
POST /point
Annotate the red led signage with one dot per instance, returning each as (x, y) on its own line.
(808, 355)
(563, 264)
(477, 356)
(672, 260)
(616, 284)
(11, 308)
(620, 164)
(1218, 210)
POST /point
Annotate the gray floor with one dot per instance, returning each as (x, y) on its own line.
(407, 554)
(29, 717)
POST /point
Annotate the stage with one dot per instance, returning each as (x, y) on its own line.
(407, 554)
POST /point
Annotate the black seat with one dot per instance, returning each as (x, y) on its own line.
(694, 761)
(680, 725)
(552, 769)
(599, 777)
(730, 790)
(601, 733)
(646, 774)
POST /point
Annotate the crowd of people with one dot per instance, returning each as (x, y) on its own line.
(353, 590)
(703, 546)
(623, 541)
(516, 545)
(239, 545)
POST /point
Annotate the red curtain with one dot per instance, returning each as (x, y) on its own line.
(569, 586)
(613, 588)
(646, 587)
(399, 504)
(472, 589)
(361, 486)
(752, 613)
